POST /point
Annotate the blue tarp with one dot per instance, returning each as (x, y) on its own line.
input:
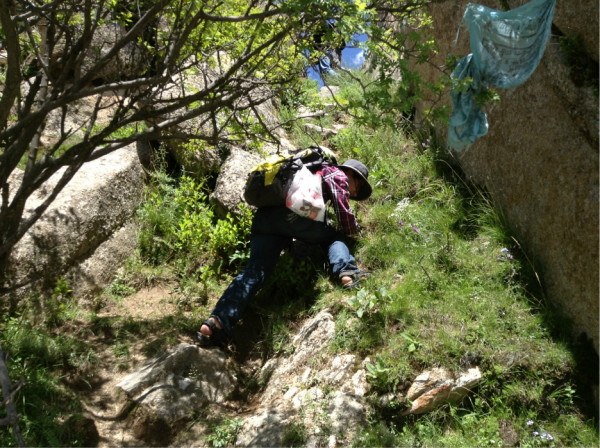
(506, 48)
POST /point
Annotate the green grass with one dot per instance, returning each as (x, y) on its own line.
(46, 405)
(459, 292)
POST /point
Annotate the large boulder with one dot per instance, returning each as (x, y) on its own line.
(227, 194)
(195, 156)
(187, 141)
(67, 239)
(91, 275)
(539, 160)
(170, 388)
(181, 381)
(77, 118)
(310, 394)
(125, 63)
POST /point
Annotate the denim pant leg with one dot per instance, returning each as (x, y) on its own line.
(272, 230)
(341, 260)
(281, 221)
(264, 253)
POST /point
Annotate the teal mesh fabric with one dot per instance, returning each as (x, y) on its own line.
(506, 48)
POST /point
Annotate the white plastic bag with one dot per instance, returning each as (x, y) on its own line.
(305, 195)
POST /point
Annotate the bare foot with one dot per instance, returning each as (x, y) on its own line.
(346, 279)
(205, 329)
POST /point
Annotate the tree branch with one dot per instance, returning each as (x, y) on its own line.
(7, 393)
(13, 73)
(237, 19)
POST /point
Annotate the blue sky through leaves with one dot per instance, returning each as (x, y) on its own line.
(352, 58)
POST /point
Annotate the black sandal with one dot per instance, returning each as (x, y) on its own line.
(218, 338)
(357, 277)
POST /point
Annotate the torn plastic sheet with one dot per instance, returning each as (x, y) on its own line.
(506, 48)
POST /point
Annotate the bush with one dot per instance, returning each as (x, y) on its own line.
(178, 226)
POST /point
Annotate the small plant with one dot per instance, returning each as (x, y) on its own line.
(226, 433)
(62, 289)
(303, 93)
(60, 302)
(378, 373)
(364, 301)
(487, 96)
(229, 237)
(179, 226)
(537, 436)
(413, 344)
(120, 349)
(120, 288)
(294, 435)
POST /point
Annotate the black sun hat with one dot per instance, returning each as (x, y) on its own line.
(359, 168)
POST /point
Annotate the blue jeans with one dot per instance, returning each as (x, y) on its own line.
(273, 229)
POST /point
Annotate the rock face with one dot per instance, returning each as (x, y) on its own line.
(95, 272)
(197, 157)
(323, 395)
(167, 390)
(79, 236)
(310, 397)
(78, 118)
(230, 184)
(539, 160)
(180, 382)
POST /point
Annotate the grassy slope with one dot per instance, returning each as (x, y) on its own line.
(455, 291)
(450, 288)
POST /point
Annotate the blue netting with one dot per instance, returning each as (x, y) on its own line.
(506, 49)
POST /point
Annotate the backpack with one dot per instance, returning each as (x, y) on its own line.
(268, 183)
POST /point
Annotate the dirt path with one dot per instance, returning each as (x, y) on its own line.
(104, 403)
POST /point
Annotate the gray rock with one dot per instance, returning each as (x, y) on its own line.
(178, 383)
(270, 148)
(539, 160)
(90, 276)
(267, 428)
(126, 62)
(323, 395)
(429, 380)
(346, 411)
(78, 118)
(323, 132)
(100, 199)
(227, 194)
(437, 386)
(327, 93)
(196, 156)
(268, 114)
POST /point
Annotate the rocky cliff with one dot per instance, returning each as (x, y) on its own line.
(539, 160)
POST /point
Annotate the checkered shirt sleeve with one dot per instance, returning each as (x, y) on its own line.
(335, 189)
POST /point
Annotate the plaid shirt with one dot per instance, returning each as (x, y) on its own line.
(335, 189)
